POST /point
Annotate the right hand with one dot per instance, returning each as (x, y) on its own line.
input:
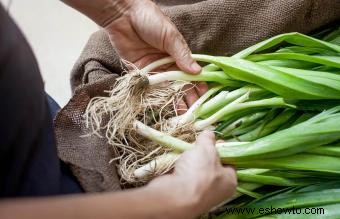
(199, 177)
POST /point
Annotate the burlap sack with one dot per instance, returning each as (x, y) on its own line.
(210, 27)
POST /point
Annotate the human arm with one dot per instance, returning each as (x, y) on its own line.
(197, 183)
(139, 30)
(141, 34)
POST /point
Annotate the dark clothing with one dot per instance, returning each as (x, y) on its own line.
(69, 183)
(29, 165)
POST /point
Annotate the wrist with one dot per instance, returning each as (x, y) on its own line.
(112, 11)
(102, 12)
(179, 198)
(122, 13)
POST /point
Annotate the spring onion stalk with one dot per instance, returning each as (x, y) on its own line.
(336, 41)
(295, 174)
(248, 192)
(332, 61)
(160, 162)
(278, 82)
(319, 130)
(307, 51)
(211, 67)
(292, 38)
(237, 106)
(208, 76)
(329, 79)
(326, 150)
(306, 162)
(160, 137)
(309, 162)
(192, 113)
(291, 199)
(157, 164)
(315, 106)
(333, 35)
(239, 131)
(273, 80)
(221, 99)
(272, 150)
(224, 98)
(257, 127)
(288, 63)
(168, 60)
(244, 122)
(304, 199)
(246, 176)
(268, 126)
(156, 64)
(202, 124)
(229, 144)
(280, 104)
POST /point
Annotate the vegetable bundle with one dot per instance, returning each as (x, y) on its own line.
(276, 106)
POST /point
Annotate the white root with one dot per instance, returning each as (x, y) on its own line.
(138, 96)
(158, 166)
(133, 98)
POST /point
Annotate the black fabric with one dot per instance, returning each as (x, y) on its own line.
(29, 165)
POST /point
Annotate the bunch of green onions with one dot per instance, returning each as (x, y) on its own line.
(276, 106)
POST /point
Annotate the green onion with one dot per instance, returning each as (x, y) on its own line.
(276, 104)
(237, 106)
(269, 125)
(326, 150)
(292, 38)
(320, 130)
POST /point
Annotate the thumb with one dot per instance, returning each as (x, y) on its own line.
(176, 46)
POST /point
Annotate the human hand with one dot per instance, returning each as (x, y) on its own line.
(141, 34)
(144, 34)
(199, 181)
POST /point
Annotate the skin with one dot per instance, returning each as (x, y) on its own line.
(141, 33)
(198, 183)
(131, 26)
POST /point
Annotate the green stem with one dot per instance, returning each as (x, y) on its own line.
(249, 193)
(237, 106)
(224, 98)
(209, 76)
(161, 138)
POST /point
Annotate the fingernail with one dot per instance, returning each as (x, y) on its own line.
(196, 68)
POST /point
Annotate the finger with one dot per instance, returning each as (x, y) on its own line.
(190, 94)
(206, 140)
(175, 45)
(220, 141)
(181, 107)
(230, 179)
(201, 88)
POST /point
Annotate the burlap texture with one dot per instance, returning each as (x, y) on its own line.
(211, 27)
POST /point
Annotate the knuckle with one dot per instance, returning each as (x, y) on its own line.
(184, 53)
(230, 176)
